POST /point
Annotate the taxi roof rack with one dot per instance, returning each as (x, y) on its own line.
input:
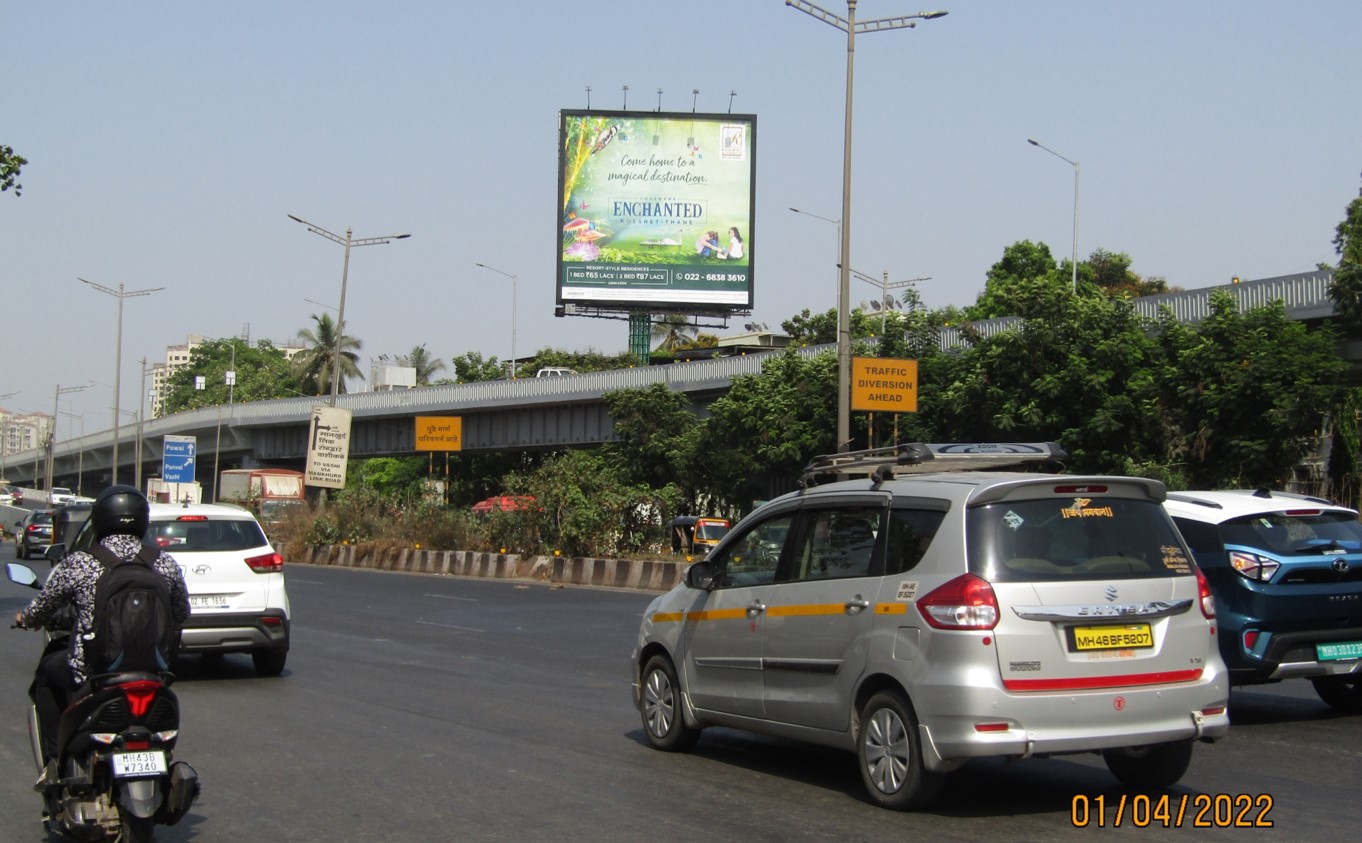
(881, 464)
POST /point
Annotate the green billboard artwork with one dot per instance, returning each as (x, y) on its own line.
(656, 209)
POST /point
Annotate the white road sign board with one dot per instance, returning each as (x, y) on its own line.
(328, 447)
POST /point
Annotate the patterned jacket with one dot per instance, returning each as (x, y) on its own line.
(73, 581)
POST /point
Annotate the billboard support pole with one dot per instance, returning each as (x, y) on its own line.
(640, 335)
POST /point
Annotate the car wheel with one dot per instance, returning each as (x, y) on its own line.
(1341, 692)
(663, 721)
(1157, 765)
(890, 754)
(269, 662)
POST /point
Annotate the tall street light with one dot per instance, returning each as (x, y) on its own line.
(80, 464)
(513, 285)
(850, 26)
(230, 380)
(347, 241)
(52, 439)
(885, 286)
(1074, 164)
(119, 294)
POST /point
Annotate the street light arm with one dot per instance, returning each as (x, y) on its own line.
(817, 216)
(818, 12)
(1040, 145)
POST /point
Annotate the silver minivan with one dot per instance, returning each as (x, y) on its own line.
(941, 609)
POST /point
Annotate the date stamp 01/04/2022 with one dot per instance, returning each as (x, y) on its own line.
(1200, 810)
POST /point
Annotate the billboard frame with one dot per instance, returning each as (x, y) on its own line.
(700, 284)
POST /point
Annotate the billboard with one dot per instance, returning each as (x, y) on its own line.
(656, 209)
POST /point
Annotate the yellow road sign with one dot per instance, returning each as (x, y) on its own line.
(883, 385)
(439, 433)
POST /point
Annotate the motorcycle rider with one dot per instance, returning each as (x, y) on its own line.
(119, 518)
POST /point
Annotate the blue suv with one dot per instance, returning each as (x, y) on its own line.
(1286, 574)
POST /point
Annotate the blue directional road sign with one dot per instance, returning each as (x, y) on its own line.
(177, 465)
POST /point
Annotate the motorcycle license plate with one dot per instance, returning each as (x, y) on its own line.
(128, 764)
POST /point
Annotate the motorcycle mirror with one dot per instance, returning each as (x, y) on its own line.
(55, 552)
(21, 574)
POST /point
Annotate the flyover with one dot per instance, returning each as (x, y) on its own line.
(525, 414)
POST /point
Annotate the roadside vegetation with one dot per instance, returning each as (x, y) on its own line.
(1238, 400)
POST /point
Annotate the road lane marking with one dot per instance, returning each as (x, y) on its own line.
(451, 597)
(452, 626)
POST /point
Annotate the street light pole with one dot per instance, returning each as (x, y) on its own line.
(119, 294)
(1074, 164)
(80, 462)
(850, 26)
(217, 447)
(511, 276)
(52, 438)
(347, 241)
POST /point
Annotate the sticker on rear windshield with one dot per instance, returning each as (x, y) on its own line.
(907, 591)
(1083, 508)
(1013, 521)
(1175, 560)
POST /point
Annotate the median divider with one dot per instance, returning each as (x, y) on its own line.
(640, 574)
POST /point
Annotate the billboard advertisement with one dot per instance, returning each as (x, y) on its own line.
(656, 209)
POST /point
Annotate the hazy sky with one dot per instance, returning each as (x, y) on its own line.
(167, 142)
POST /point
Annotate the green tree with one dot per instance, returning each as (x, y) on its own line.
(394, 480)
(656, 437)
(1245, 395)
(313, 365)
(1011, 283)
(10, 165)
(470, 367)
(1111, 272)
(425, 365)
(1346, 288)
(262, 373)
(769, 425)
(584, 507)
(672, 331)
(1075, 371)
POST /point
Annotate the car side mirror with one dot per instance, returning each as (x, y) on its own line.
(704, 576)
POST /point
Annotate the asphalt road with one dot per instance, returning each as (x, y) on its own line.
(418, 707)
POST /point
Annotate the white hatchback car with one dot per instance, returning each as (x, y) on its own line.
(237, 599)
(921, 621)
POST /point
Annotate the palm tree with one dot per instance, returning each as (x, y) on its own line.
(673, 330)
(313, 365)
(425, 365)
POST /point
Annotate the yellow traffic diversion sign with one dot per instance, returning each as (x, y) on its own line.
(883, 385)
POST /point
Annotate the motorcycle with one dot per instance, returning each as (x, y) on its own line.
(114, 777)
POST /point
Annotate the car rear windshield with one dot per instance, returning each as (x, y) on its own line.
(1074, 539)
(178, 536)
(1304, 533)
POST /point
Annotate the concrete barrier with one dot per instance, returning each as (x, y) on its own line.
(639, 574)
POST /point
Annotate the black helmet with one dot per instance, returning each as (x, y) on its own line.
(120, 510)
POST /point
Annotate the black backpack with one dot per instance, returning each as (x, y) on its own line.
(134, 626)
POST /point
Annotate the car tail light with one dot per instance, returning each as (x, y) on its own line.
(1203, 589)
(268, 563)
(1250, 638)
(966, 602)
(1252, 566)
